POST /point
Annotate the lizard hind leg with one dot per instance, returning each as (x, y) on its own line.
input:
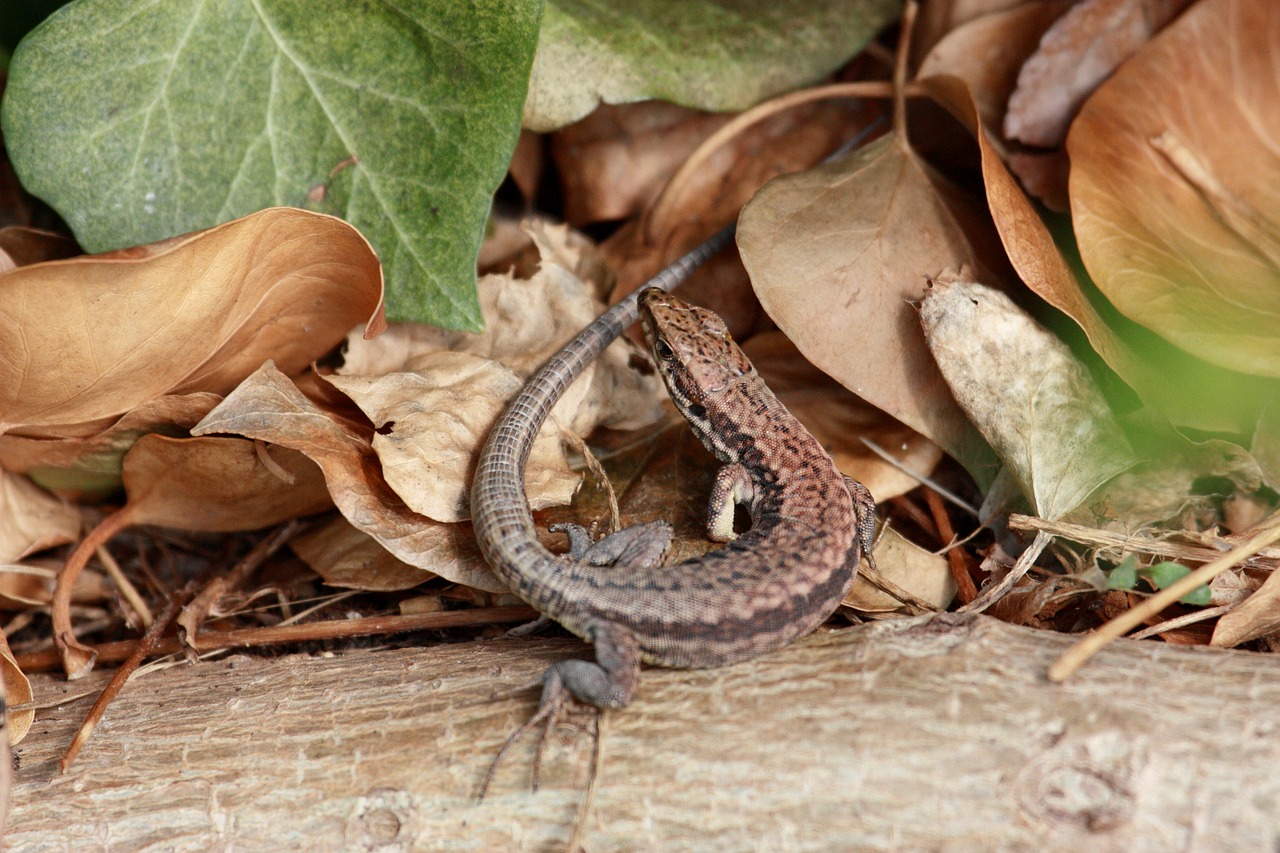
(643, 545)
(608, 682)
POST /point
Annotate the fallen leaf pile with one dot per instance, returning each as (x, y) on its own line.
(1034, 305)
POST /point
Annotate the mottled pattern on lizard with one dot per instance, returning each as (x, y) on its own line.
(778, 581)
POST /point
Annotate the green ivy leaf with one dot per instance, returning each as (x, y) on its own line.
(712, 54)
(141, 120)
(1124, 575)
(1164, 574)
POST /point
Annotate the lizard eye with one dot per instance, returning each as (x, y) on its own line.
(663, 350)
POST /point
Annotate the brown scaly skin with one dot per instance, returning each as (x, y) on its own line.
(776, 582)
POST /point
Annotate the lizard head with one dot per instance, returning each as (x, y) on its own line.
(695, 354)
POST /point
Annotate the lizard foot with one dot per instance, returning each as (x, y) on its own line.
(639, 545)
(554, 698)
(608, 682)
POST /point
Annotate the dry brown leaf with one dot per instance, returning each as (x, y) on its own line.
(31, 519)
(25, 586)
(432, 420)
(17, 691)
(1175, 189)
(921, 573)
(1075, 56)
(987, 52)
(840, 420)
(24, 246)
(785, 142)
(90, 466)
(939, 17)
(837, 255)
(268, 407)
(527, 163)
(88, 339)
(1188, 391)
(218, 484)
(615, 160)
(343, 556)
(1256, 616)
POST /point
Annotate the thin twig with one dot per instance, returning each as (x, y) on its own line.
(121, 675)
(922, 479)
(310, 631)
(966, 590)
(994, 593)
(1073, 658)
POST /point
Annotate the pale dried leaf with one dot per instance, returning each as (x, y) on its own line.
(89, 339)
(1257, 616)
(31, 519)
(1075, 55)
(267, 406)
(1175, 189)
(431, 422)
(837, 254)
(921, 573)
(345, 557)
(1027, 394)
(526, 322)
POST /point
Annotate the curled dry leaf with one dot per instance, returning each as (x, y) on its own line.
(83, 341)
(1256, 616)
(78, 466)
(1188, 391)
(346, 557)
(1075, 55)
(433, 394)
(921, 573)
(24, 246)
(431, 422)
(25, 586)
(216, 483)
(1175, 189)
(268, 407)
(615, 161)
(717, 190)
(1026, 393)
(837, 254)
(17, 691)
(987, 52)
(526, 322)
(840, 420)
(31, 519)
(939, 17)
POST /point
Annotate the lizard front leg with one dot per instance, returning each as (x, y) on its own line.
(733, 486)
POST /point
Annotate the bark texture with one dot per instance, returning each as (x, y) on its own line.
(926, 734)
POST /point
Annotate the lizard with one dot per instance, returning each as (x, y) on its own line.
(810, 525)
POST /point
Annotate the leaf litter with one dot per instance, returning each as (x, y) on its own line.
(198, 373)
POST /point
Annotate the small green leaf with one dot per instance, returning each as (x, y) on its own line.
(141, 120)
(712, 54)
(1125, 575)
(1165, 574)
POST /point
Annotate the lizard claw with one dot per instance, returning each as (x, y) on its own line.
(550, 707)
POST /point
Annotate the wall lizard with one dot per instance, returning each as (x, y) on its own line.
(810, 525)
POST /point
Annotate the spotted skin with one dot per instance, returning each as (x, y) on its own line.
(810, 525)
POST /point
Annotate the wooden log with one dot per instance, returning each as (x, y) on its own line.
(934, 733)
